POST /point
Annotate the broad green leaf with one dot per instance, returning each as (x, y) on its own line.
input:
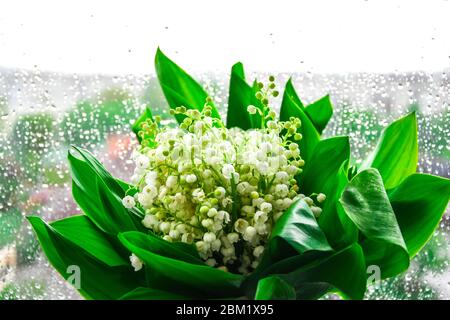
(89, 161)
(238, 70)
(197, 281)
(110, 206)
(125, 185)
(136, 127)
(238, 99)
(99, 195)
(274, 288)
(241, 95)
(84, 192)
(152, 294)
(295, 232)
(326, 173)
(97, 279)
(320, 112)
(298, 228)
(289, 108)
(396, 154)
(366, 203)
(83, 233)
(315, 273)
(176, 250)
(179, 88)
(344, 271)
(419, 203)
(289, 264)
(93, 209)
(289, 90)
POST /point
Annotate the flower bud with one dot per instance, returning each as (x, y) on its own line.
(316, 211)
(254, 195)
(207, 223)
(212, 212)
(204, 209)
(257, 252)
(215, 245)
(249, 233)
(228, 252)
(174, 234)
(211, 262)
(260, 217)
(209, 237)
(266, 207)
(128, 202)
(191, 178)
(321, 197)
(136, 263)
(308, 201)
(149, 221)
(220, 192)
(240, 225)
(233, 237)
(202, 246)
(187, 238)
(227, 170)
(251, 109)
(164, 227)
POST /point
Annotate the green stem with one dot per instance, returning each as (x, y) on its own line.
(235, 200)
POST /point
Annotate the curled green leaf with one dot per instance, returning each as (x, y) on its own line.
(419, 203)
(366, 203)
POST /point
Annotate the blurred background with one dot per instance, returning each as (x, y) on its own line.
(81, 72)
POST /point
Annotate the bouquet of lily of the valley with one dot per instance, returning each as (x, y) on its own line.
(259, 207)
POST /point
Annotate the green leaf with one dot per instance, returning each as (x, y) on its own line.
(289, 90)
(274, 288)
(152, 294)
(290, 263)
(176, 250)
(83, 233)
(136, 127)
(315, 273)
(344, 270)
(124, 185)
(99, 195)
(241, 95)
(194, 280)
(320, 113)
(419, 203)
(396, 154)
(290, 108)
(97, 279)
(110, 206)
(88, 163)
(366, 203)
(295, 232)
(326, 173)
(312, 291)
(179, 88)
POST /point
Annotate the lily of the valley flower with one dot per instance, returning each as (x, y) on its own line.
(221, 189)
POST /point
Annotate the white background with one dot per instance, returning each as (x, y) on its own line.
(318, 36)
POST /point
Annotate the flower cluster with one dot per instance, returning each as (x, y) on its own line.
(221, 189)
